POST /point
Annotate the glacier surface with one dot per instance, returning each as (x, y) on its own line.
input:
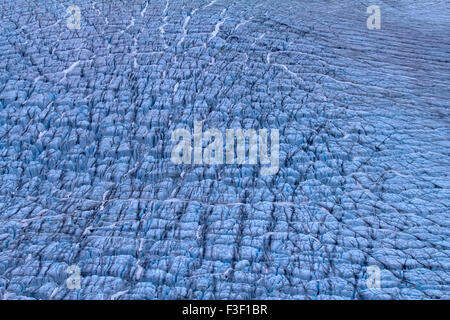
(86, 179)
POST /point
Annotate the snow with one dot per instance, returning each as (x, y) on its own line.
(86, 179)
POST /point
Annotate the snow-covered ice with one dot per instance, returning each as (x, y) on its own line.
(86, 117)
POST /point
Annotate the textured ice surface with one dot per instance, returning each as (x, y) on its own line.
(86, 179)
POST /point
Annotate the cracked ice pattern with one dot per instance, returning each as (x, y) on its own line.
(85, 123)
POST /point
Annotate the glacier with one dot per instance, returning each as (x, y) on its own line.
(86, 117)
